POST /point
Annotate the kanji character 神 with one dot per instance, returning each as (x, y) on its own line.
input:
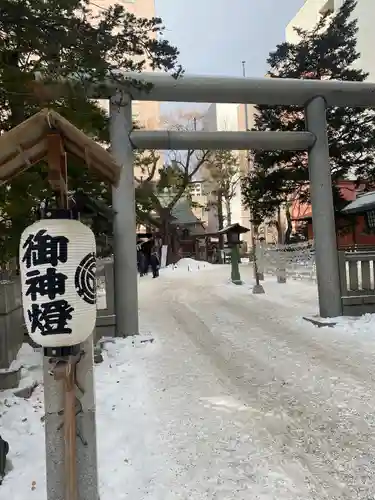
(42, 248)
(51, 284)
(51, 318)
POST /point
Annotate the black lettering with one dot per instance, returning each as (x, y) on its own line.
(50, 284)
(51, 318)
(42, 248)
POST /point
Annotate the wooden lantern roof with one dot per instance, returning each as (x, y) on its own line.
(234, 228)
(29, 142)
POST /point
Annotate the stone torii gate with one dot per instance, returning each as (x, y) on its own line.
(312, 95)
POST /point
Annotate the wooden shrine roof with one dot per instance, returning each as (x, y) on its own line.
(27, 144)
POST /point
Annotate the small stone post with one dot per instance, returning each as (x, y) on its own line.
(235, 268)
(281, 267)
(260, 260)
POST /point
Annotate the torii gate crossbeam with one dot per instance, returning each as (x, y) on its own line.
(313, 95)
(237, 90)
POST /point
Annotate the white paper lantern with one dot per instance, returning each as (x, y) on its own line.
(58, 267)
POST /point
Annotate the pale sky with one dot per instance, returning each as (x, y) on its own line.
(214, 36)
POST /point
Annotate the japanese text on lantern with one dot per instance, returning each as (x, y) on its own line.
(52, 316)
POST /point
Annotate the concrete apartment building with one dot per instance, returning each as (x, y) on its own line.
(232, 117)
(266, 230)
(310, 12)
(200, 201)
(228, 117)
(145, 113)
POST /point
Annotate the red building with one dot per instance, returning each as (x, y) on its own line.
(351, 230)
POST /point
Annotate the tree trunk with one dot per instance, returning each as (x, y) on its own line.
(165, 232)
(220, 215)
(169, 238)
(166, 239)
(229, 212)
(280, 232)
(289, 228)
(220, 221)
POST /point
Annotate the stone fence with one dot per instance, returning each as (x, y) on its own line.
(11, 330)
(106, 320)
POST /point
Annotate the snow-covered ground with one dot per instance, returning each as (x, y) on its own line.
(237, 398)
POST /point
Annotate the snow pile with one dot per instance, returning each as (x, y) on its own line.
(30, 362)
(237, 397)
(363, 326)
(122, 404)
(190, 265)
(22, 427)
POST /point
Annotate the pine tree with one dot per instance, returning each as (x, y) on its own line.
(326, 52)
(61, 38)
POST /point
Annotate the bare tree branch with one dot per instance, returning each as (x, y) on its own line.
(175, 175)
(145, 217)
(148, 162)
(187, 178)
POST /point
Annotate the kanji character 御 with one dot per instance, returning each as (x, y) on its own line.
(42, 248)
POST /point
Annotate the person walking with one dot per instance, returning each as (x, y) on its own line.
(155, 262)
(141, 260)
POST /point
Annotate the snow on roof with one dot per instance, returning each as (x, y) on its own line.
(27, 144)
(361, 204)
(183, 214)
(234, 227)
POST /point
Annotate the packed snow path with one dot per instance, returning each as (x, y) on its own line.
(237, 398)
(289, 409)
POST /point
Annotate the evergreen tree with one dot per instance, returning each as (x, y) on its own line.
(60, 38)
(326, 52)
